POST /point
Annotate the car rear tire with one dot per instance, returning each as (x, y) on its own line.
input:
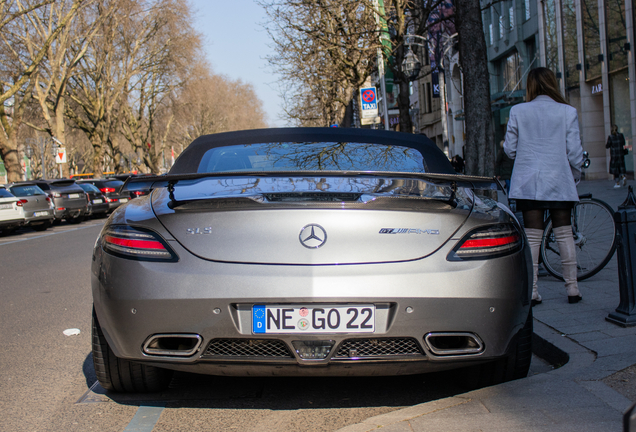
(514, 366)
(41, 227)
(75, 220)
(121, 375)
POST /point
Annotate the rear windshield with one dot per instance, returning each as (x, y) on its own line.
(112, 184)
(88, 187)
(5, 193)
(26, 190)
(63, 183)
(311, 156)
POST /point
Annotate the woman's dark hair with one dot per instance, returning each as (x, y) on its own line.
(541, 81)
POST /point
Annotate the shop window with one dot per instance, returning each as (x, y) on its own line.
(511, 72)
(511, 17)
(551, 45)
(616, 34)
(570, 43)
(591, 39)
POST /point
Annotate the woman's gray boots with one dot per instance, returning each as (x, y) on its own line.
(567, 250)
(534, 240)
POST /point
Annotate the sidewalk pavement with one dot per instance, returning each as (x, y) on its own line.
(572, 397)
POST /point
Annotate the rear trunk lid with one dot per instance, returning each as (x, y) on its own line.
(311, 221)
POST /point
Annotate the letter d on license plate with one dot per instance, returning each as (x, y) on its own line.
(313, 319)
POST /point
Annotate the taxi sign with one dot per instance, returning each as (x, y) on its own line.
(368, 103)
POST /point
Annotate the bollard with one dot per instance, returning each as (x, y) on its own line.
(625, 218)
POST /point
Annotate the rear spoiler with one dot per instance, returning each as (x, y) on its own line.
(459, 180)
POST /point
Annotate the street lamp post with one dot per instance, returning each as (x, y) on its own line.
(40, 143)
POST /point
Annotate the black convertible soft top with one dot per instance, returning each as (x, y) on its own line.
(436, 161)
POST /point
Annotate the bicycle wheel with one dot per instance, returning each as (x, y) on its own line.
(594, 236)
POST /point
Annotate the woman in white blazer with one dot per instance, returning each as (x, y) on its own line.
(543, 139)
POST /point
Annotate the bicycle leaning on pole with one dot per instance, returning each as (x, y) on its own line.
(594, 234)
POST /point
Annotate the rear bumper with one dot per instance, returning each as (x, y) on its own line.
(34, 220)
(135, 300)
(98, 208)
(69, 208)
(11, 223)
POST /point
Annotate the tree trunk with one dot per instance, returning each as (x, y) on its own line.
(11, 160)
(479, 148)
(347, 121)
(98, 162)
(404, 104)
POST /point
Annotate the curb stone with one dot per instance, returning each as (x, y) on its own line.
(548, 344)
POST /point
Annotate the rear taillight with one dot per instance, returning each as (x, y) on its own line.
(491, 241)
(137, 193)
(21, 203)
(136, 243)
(57, 195)
(107, 190)
(48, 200)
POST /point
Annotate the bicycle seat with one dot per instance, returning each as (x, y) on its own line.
(587, 195)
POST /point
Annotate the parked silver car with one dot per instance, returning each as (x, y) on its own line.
(69, 200)
(11, 212)
(38, 207)
(316, 251)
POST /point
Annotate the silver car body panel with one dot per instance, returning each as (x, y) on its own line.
(415, 288)
(11, 215)
(36, 208)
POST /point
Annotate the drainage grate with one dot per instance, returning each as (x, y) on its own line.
(268, 348)
(356, 348)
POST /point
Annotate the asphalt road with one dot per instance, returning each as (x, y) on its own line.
(47, 381)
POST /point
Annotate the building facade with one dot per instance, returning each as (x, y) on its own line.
(588, 44)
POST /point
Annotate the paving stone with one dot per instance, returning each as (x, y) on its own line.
(588, 336)
(616, 331)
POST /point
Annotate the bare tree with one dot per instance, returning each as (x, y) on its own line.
(211, 104)
(403, 18)
(22, 51)
(325, 50)
(62, 58)
(146, 112)
(121, 50)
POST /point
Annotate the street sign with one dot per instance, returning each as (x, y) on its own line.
(435, 82)
(60, 155)
(370, 121)
(368, 103)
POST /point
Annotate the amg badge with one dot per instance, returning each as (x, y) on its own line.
(408, 231)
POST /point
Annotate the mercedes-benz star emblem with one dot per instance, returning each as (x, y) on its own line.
(312, 236)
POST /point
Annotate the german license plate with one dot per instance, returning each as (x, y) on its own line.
(123, 200)
(41, 213)
(6, 206)
(73, 195)
(313, 319)
(97, 201)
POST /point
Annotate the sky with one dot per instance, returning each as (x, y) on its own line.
(236, 45)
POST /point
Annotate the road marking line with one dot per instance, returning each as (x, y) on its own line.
(145, 418)
(47, 235)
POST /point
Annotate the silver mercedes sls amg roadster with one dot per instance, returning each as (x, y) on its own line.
(310, 252)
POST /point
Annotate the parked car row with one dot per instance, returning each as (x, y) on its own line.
(40, 203)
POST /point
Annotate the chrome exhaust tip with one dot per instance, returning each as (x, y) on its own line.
(453, 343)
(172, 345)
